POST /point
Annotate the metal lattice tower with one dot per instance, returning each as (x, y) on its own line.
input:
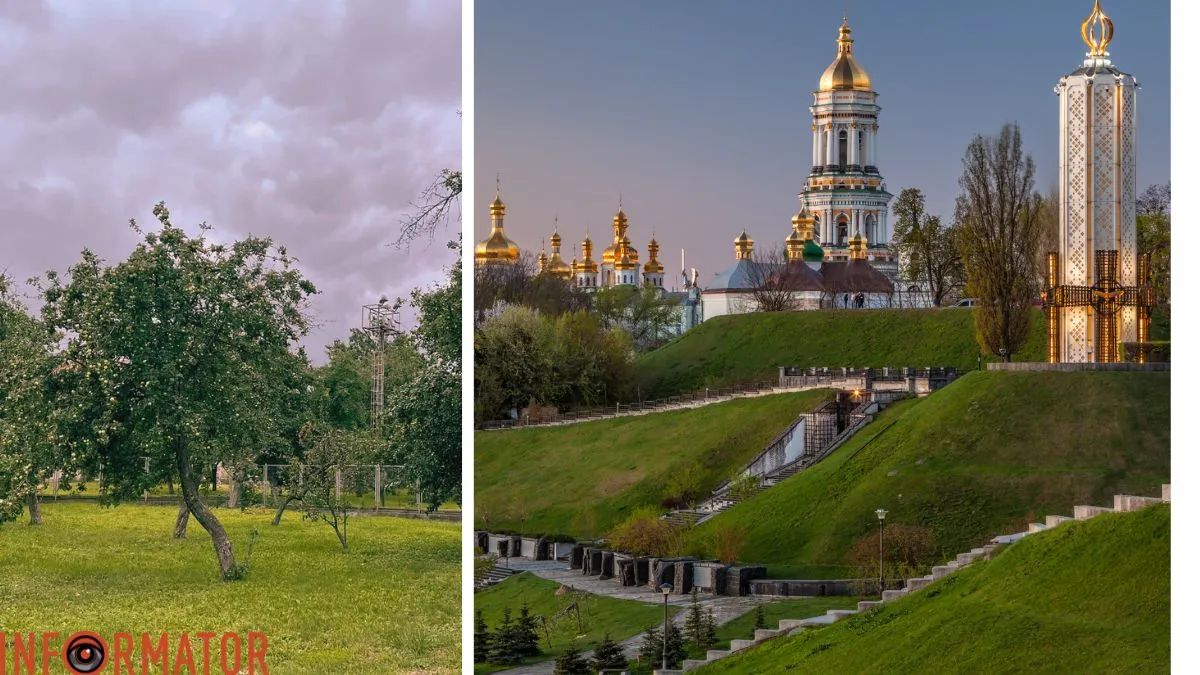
(380, 320)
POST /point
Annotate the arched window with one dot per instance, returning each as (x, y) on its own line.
(872, 236)
(843, 230)
(843, 148)
(817, 233)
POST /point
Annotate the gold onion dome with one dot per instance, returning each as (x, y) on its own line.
(653, 266)
(1097, 32)
(497, 248)
(844, 72)
(743, 246)
(795, 241)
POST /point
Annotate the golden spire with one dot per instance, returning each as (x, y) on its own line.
(858, 247)
(795, 240)
(543, 261)
(556, 265)
(743, 246)
(497, 248)
(844, 72)
(1097, 32)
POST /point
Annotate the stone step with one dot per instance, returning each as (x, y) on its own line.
(714, 654)
(1055, 521)
(1126, 503)
(670, 671)
(940, 571)
(890, 595)
(839, 614)
(692, 664)
(812, 621)
(1009, 538)
(738, 645)
(1166, 492)
(790, 624)
(761, 634)
(868, 605)
(917, 583)
(968, 558)
(1036, 527)
(1083, 512)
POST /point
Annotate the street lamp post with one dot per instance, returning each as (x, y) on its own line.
(881, 514)
(665, 588)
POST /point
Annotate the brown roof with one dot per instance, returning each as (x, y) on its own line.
(854, 276)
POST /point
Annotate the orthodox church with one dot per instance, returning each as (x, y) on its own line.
(838, 252)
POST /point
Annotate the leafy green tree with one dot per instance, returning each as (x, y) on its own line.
(29, 448)
(1154, 237)
(344, 383)
(426, 411)
(927, 248)
(514, 362)
(320, 482)
(998, 216)
(571, 662)
(608, 655)
(482, 638)
(646, 314)
(182, 351)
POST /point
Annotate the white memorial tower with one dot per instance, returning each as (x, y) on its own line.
(1094, 302)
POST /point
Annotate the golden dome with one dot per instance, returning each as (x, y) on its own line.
(844, 72)
(497, 248)
(543, 260)
(795, 241)
(743, 246)
(653, 266)
(556, 265)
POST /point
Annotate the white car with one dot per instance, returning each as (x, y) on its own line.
(967, 302)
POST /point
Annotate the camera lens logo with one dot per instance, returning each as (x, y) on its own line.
(84, 653)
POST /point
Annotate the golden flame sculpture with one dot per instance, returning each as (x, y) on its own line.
(1097, 31)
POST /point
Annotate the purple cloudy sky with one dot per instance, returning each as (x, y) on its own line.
(314, 123)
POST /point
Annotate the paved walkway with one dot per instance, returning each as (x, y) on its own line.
(679, 406)
(724, 608)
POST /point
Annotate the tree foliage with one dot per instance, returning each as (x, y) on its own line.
(608, 655)
(426, 412)
(180, 353)
(772, 289)
(524, 358)
(998, 219)
(1154, 237)
(644, 533)
(927, 247)
(646, 315)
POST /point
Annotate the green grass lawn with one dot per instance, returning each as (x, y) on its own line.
(984, 456)
(391, 605)
(743, 347)
(620, 619)
(1088, 597)
(581, 479)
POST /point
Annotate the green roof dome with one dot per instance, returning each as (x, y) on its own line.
(813, 251)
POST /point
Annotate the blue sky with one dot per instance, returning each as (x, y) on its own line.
(696, 112)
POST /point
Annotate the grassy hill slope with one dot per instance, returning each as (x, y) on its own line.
(981, 457)
(581, 479)
(1089, 597)
(743, 347)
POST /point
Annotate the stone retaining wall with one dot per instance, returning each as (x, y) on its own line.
(1034, 366)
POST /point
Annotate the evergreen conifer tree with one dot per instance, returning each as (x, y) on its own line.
(710, 629)
(760, 618)
(675, 651)
(609, 655)
(503, 649)
(527, 637)
(483, 639)
(571, 662)
(693, 625)
(650, 652)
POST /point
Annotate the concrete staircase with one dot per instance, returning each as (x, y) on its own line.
(1121, 504)
(493, 577)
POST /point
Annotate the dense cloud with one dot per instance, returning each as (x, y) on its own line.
(314, 123)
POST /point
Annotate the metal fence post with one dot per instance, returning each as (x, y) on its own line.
(337, 483)
(265, 485)
(378, 486)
